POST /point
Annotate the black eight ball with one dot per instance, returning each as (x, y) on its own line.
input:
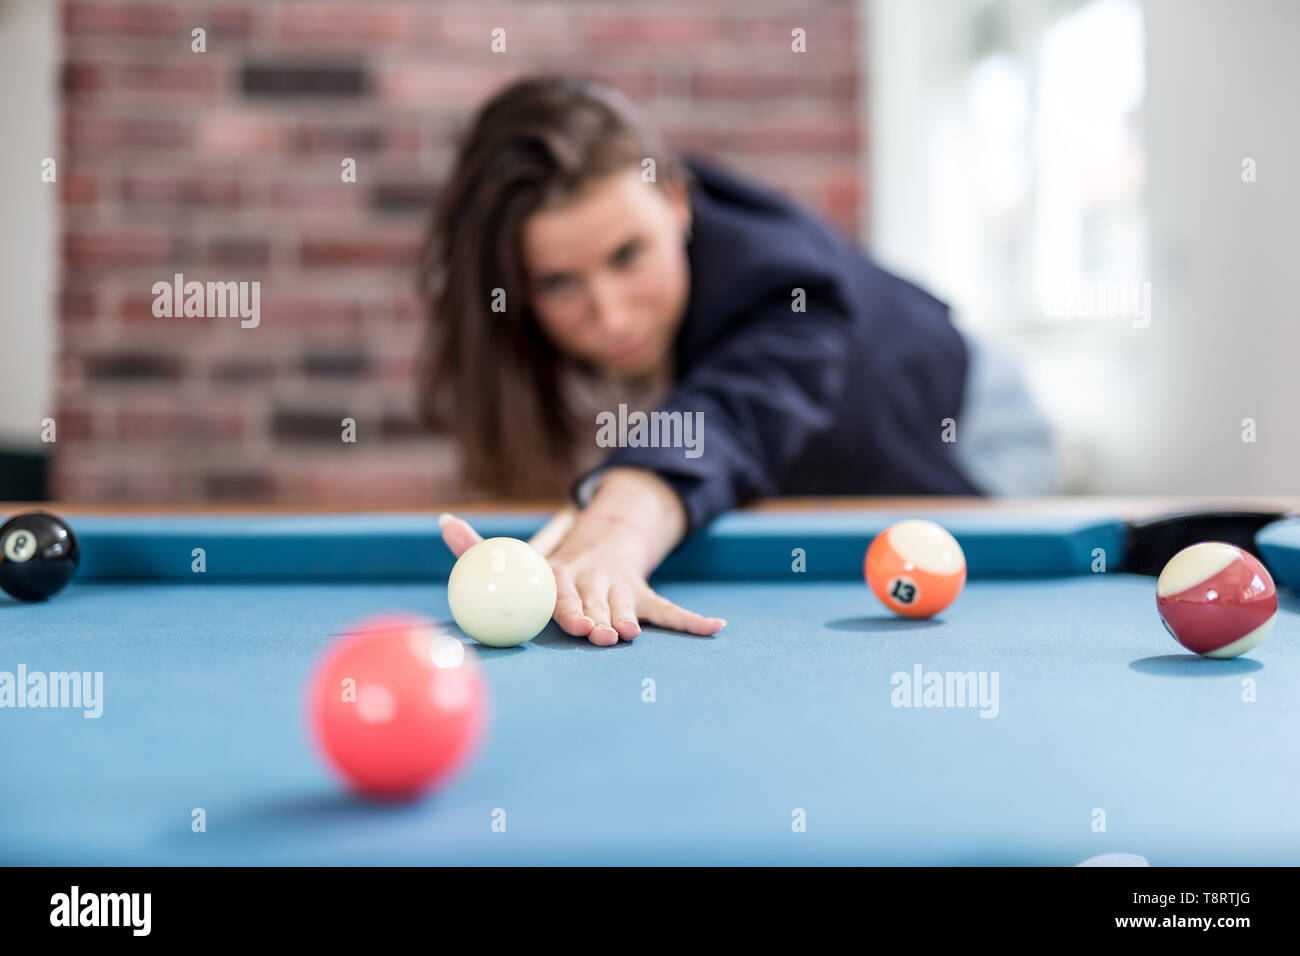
(38, 555)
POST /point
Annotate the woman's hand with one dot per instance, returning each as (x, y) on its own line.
(601, 590)
(602, 556)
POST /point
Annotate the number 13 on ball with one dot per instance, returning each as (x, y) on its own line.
(916, 568)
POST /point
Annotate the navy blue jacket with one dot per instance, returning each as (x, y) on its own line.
(846, 398)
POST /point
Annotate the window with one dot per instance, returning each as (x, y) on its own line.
(1014, 128)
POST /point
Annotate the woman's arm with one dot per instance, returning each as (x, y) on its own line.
(758, 394)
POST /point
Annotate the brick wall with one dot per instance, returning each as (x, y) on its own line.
(224, 166)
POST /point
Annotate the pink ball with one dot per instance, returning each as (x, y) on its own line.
(397, 706)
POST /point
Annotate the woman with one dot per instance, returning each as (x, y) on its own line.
(577, 271)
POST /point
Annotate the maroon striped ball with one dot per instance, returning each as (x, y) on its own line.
(1216, 600)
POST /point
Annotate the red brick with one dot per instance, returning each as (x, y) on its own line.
(74, 422)
(229, 21)
(842, 83)
(157, 481)
(639, 82)
(80, 188)
(165, 420)
(827, 32)
(842, 197)
(429, 480)
(369, 137)
(409, 308)
(350, 23)
(239, 133)
(139, 307)
(249, 484)
(316, 194)
(532, 30)
(281, 308)
(693, 135)
(116, 248)
(241, 369)
(377, 251)
(410, 196)
(739, 83)
(98, 133)
(805, 134)
(208, 190)
(434, 84)
(732, 79)
(401, 427)
(135, 423)
(670, 31)
(76, 478)
(225, 424)
(82, 79)
(126, 19)
(404, 369)
(71, 479)
(200, 76)
(237, 251)
(77, 304)
(71, 374)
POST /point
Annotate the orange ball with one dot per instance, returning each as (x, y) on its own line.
(916, 568)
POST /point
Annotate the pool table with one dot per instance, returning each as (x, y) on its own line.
(1044, 719)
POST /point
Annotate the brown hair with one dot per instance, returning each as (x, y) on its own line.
(492, 379)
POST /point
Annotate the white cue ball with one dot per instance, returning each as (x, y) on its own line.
(501, 592)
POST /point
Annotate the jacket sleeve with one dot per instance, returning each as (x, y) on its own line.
(759, 393)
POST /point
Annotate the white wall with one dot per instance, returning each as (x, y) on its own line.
(1157, 410)
(1224, 84)
(28, 238)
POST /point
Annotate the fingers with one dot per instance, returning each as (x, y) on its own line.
(664, 613)
(457, 534)
(588, 610)
(595, 602)
(568, 607)
(622, 613)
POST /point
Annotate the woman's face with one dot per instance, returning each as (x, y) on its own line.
(607, 272)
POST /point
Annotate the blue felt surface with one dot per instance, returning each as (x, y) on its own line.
(788, 709)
